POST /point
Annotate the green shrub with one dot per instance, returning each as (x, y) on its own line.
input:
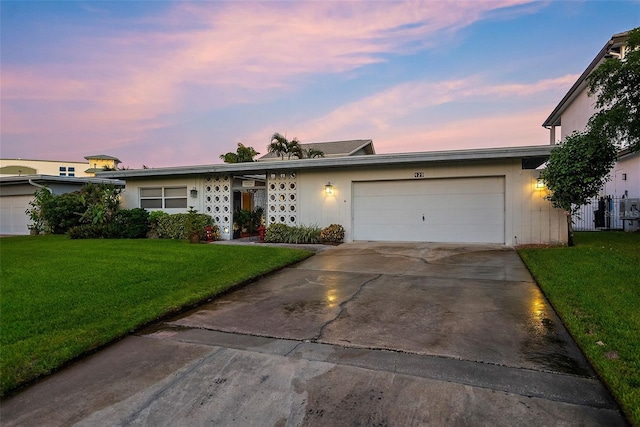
(93, 204)
(61, 212)
(282, 233)
(155, 216)
(132, 223)
(126, 224)
(154, 219)
(176, 226)
(334, 233)
(304, 234)
(276, 233)
(93, 231)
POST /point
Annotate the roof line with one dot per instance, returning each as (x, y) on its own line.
(554, 117)
(341, 162)
(64, 179)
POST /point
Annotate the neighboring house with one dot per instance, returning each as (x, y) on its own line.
(17, 191)
(572, 114)
(475, 196)
(20, 167)
(357, 147)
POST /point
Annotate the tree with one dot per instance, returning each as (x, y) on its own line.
(616, 83)
(313, 153)
(243, 154)
(576, 170)
(280, 146)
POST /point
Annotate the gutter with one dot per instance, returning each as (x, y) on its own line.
(40, 186)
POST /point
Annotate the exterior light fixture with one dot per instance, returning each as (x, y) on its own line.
(226, 230)
(194, 192)
(540, 184)
(328, 189)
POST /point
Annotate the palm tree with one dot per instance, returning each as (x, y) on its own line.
(295, 149)
(313, 153)
(279, 145)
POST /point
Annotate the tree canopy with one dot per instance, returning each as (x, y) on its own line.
(243, 154)
(616, 84)
(576, 170)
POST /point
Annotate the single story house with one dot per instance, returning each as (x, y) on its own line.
(16, 192)
(474, 196)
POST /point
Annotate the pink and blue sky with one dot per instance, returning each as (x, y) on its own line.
(162, 83)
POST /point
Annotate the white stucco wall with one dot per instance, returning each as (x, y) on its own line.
(628, 167)
(529, 219)
(577, 115)
(131, 194)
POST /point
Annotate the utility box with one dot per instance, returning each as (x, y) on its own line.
(630, 214)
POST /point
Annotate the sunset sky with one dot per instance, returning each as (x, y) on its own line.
(162, 83)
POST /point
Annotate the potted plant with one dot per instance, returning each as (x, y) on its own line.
(243, 219)
(192, 225)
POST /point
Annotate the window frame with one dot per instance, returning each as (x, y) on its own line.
(163, 198)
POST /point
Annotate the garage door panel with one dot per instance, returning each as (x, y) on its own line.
(13, 219)
(454, 210)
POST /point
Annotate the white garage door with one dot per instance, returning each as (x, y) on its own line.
(469, 210)
(13, 219)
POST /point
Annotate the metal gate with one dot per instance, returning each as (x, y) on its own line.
(601, 213)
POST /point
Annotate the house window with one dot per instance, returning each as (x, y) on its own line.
(63, 171)
(163, 197)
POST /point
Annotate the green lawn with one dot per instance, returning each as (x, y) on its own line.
(595, 288)
(61, 298)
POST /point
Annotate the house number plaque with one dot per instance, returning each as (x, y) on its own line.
(418, 174)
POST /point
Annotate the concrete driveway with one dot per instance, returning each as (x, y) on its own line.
(361, 334)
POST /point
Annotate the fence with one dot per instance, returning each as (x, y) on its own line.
(600, 214)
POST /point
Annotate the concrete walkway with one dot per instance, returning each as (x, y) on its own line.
(360, 334)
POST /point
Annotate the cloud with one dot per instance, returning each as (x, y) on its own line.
(411, 102)
(501, 130)
(139, 79)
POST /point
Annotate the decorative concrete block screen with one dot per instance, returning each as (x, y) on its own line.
(282, 198)
(217, 202)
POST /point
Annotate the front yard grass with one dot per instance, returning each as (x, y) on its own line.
(595, 288)
(62, 298)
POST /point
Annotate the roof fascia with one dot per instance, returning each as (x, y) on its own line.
(339, 162)
(581, 83)
(59, 179)
(367, 142)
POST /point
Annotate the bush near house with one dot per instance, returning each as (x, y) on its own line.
(332, 234)
(282, 233)
(595, 288)
(126, 224)
(177, 226)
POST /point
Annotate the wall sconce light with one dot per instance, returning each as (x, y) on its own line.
(328, 189)
(624, 176)
(226, 230)
(540, 184)
(194, 192)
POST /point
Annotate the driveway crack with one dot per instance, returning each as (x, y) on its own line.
(342, 307)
